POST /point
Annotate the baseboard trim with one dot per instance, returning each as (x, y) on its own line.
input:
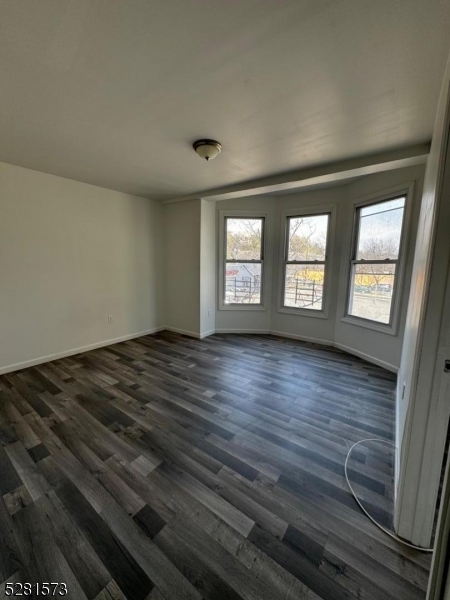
(192, 334)
(367, 357)
(44, 359)
(207, 333)
(243, 331)
(302, 338)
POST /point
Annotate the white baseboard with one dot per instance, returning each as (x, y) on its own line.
(207, 333)
(255, 331)
(192, 334)
(368, 357)
(44, 359)
(302, 338)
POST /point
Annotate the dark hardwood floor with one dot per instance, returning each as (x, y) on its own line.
(172, 468)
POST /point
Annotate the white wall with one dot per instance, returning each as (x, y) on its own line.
(190, 267)
(379, 347)
(207, 268)
(70, 255)
(182, 222)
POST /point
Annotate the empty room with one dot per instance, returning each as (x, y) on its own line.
(225, 299)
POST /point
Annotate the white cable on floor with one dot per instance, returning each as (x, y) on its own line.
(386, 531)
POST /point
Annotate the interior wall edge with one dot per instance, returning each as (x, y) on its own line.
(397, 440)
(205, 334)
(193, 334)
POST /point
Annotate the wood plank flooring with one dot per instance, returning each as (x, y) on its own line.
(168, 468)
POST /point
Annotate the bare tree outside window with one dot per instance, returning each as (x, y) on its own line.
(305, 255)
(244, 239)
(374, 263)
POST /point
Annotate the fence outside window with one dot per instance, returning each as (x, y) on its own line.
(301, 293)
(242, 290)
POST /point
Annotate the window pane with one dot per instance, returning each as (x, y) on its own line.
(244, 238)
(243, 283)
(371, 292)
(304, 286)
(380, 228)
(307, 237)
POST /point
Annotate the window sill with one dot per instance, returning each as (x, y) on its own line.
(303, 312)
(257, 307)
(359, 322)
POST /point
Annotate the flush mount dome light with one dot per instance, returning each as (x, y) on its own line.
(207, 149)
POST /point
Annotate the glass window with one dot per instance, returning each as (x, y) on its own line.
(374, 264)
(244, 242)
(305, 261)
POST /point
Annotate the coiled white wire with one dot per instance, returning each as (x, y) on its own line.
(386, 531)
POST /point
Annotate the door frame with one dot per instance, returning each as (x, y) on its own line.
(424, 434)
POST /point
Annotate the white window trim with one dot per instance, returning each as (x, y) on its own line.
(391, 328)
(331, 236)
(241, 214)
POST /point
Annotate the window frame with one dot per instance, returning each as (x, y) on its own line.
(390, 328)
(315, 211)
(239, 214)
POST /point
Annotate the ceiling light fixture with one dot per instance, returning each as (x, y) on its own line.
(207, 149)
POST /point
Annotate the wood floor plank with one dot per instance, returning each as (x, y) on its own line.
(27, 470)
(128, 574)
(45, 561)
(170, 467)
(220, 507)
(9, 478)
(147, 555)
(11, 558)
(205, 579)
(91, 573)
